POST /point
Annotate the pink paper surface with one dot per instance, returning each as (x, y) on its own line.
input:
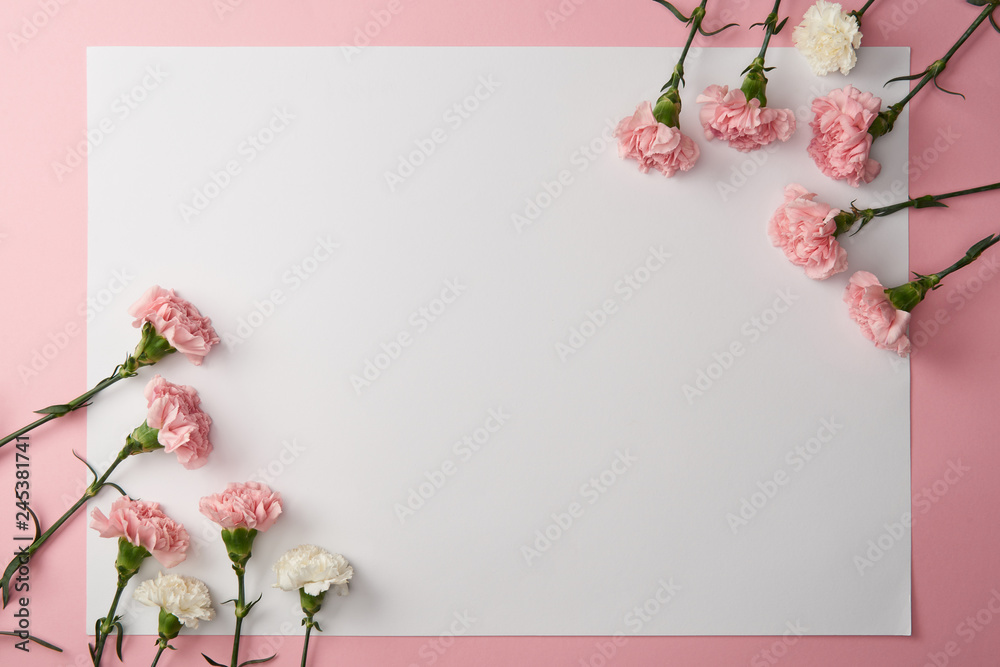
(43, 250)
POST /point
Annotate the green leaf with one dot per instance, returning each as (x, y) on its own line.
(257, 661)
(213, 662)
(86, 464)
(673, 10)
(38, 641)
(911, 77)
(117, 488)
(118, 644)
(945, 90)
(250, 605)
(716, 32)
(57, 410)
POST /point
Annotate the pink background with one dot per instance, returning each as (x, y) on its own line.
(43, 255)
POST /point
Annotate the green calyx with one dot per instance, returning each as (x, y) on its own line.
(169, 625)
(129, 559)
(239, 545)
(845, 220)
(310, 603)
(151, 348)
(884, 121)
(143, 439)
(668, 108)
(907, 296)
(755, 82)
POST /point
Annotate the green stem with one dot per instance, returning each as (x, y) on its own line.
(37, 543)
(162, 643)
(858, 13)
(972, 255)
(968, 191)
(241, 612)
(697, 16)
(108, 623)
(305, 644)
(883, 124)
(78, 402)
(908, 295)
(925, 201)
(770, 24)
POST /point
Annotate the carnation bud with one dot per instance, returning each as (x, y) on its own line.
(239, 544)
(668, 108)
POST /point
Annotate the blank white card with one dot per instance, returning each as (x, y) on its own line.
(522, 387)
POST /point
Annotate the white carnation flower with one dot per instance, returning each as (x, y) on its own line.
(313, 569)
(827, 38)
(186, 598)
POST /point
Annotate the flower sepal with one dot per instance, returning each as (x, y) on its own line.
(311, 603)
(130, 557)
(907, 296)
(239, 544)
(668, 108)
(169, 626)
(143, 439)
(755, 82)
(151, 348)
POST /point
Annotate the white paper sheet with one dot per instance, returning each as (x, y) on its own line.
(395, 359)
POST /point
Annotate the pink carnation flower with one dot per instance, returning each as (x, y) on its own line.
(727, 115)
(804, 229)
(248, 505)
(177, 320)
(143, 524)
(841, 143)
(175, 410)
(880, 322)
(643, 138)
